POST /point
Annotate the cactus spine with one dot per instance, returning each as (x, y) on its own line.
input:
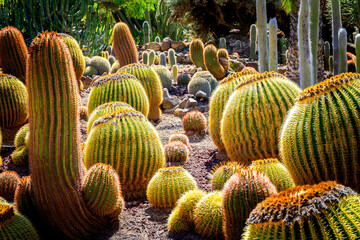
(342, 50)
(152, 56)
(196, 50)
(357, 48)
(273, 48)
(253, 41)
(9, 180)
(222, 43)
(194, 121)
(261, 17)
(212, 62)
(145, 58)
(336, 25)
(146, 30)
(171, 57)
(327, 55)
(162, 57)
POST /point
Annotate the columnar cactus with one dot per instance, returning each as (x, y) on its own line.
(252, 118)
(180, 137)
(164, 75)
(194, 121)
(218, 102)
(9, 180)
(276, 171)
(327, 114)
(238, 44)
(152, 56)
(212, 62)
(222, 53)
(176, 151)
(322, 211)
(102, 65)
(222, 172)
(125, 140)
(241, 193)
(124, 45)
(21, 142)
(174, 71)
(119, 87)
(273, 48)
(171, 57)
(327, 55)
(167, 186)
(336, 25)
(146, 30)
(196, 50)
(253, 41)
(261, 18)
(357, 48)
(13, 52)
(145, 58)
(222, 43)
(162, 57)
(342, 50)
(183, 79)
(152, 85)
(157, 39)
(13, 102)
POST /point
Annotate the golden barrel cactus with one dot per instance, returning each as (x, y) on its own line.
(124, 45)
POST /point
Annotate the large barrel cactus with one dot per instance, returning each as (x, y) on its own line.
(197, 53)
(320, 137)
(129, 142)
(118, 87)
(13, 102)
(253, 116)
(152, 84)
(218, 102)
(212, 62)
(324, 211)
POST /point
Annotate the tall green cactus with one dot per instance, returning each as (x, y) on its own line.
(336, 25)
(314, 23)
(342, 38)
(261, 17)
(196, 50)
(174, 72)
(152, 56)
(162, 57)
(222, 43)
(253, 41)
(273, 48)
(357, 48)
(145, 58)
(171, 57)
(146, 30)
(327, 55)
(212, 62)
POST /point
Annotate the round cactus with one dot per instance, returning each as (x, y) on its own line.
(176, 151)
(180, 137)
(164, 75)
(324, 211)
(196, 50)
(9, 180)
(24, 200)
(183, 79)
(112, 60)
(223, 172)
(167, 186)
(241, 193)
(212, 62)
(199, 84)
(187, 203)
(210, 78)
(218, 102)
(208, 217)
(223, 53)
(276, 171)
(176, 223)
(115, 67)
(253, 115)
(13, 102)
(152, 85)
(90, 71)
(320, 136)
(128, 142)
(102, 65)
(118, 87)
(87, 60)
(20, 154)
(194, 121)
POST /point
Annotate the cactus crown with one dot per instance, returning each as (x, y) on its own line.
(119, 76)
(134, 66)
(298, 203)
(227, 167)
(171, 169)
(245, 71)
(6, 213)
(260, 77)
(118, 115)
(264, 161)
(112, 104)
(327, 85)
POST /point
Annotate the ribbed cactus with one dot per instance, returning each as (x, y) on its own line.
(283, 49)
(223, 53)
(342, 51)
(253, 41)
(194, 121)
(326, 114)
(152, 85)
(176, 151)
(118, 87)
(196, 51)
(8, 183)
(218, 102)
(183, 79)
(208, 216)
(241, 193)
(176, 223)
(112, 60)
(115, 67)
(261, 18)
(145, 58)
(187, 203)
(253, 116)
(327, 55)
(180, 137)
(90, 71)
(54, 154)
(223, 172)
(273, 48)
(209, 77)
(172, 57)
(324, 211)
(167, 186)
(331, 63)
(357, 49)
(21, 142)
(276, 171)
(128, 142)
(164, 75)
(13, 52)
(152, 56)
(222, 43)
(24, 199)
(162, 57)
(102, 65)
(199, 84)
(212, 62)
(13, 102)
(157, 39)
(146, 31)
(174, 71)
(124, 45)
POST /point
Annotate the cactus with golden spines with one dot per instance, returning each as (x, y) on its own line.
(241, 193)
(164, 75)
(175, 71)
(212, 62)
(120, 87)
(21, 142)
(172, 57)
(102, 65)
(9, 180)
(13, 102)
(13, 52)
(326, 210)
(127, 141)
(196, 50)
(276, 171)
(320, 135)
(152, 85)
(124, 45)
(194, 121)
(223, 172)
(176, 223)
(180, 137)
(167, 185)
(176, 151)
(54, 145)
(253, 115)
(218, 102)
(222, 53)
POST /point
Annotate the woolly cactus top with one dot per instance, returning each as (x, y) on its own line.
(6, 212)
(244, 72)
(327, 85)
(171, 169)
(260, 77)
(264, 161)
(3, 75)
(119, 115)
(134, 66)
(227, 167)
(113, 104)
(298, 203)
(119, 76)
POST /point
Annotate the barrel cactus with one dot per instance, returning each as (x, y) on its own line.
(326, 114)
(24, 199)
(90, 71)
(326, 210)
(102, 65)
(152, 85)
(223, 172)
(194, 121)
(164, 75)
(218, 102)
(146, 30)
(183, 79)
(209, 77)
(9, 180)
(20, 154)
(118, 87)
(127, 141)
(112, 60)
(115, 67)
(199, 84)
(253, 115)
(176, 151)
(180, 137)
(223, 53)
(212, 62)
(124, 45)
(241, 193)
(197, 53)
(13, 102)
(176, 223)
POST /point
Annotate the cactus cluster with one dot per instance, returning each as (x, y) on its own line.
(183, 79)
(176, 151)
(194, 121)
(180, 137)
(223, 172)
(164, 75)
(124, 45)
(196, 51)
(9, 180)
(102, 65)
(199, 84)
(212, 62)
(21, 142)
(209, 77)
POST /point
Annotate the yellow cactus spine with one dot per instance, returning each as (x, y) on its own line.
(194, 121)
(196, 50)
(9, 180)
(212, 62)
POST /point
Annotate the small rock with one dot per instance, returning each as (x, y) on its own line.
(166, 93)
(153, 45)
(171, 110)
(181, 112)
(252, 64)
(186, 59)
(191, 103)
(175, 45)
(202, 109)
(182, 104)
(166, 44)
(169, 103)
(179, 59)
(282, 69)
(200, 94)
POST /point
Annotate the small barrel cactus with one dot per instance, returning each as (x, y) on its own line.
(9, 180)
(102, 65)
(167, 185)
(164, 75)
(162, 57)
(112, 60)
(152, 56)
(180, 137)
(176, 223)
(183, 79)
(222, 43)
(199, 84)
(212, 62)
(194, 121)
(20, 154)
(24, 199)
(172, 57)
(115, 67)
(176, 151)
(145, 58)
(223, 172)
(223, 53)
(90, 71)
(196, 50)
(209, 77)
(124, 45)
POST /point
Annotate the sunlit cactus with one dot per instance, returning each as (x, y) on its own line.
(172, 57)
(164, 75)
(24, 199)
(199, 84)
(183, 79)
(180, 137)
(176, 151)
(124, 45)
(212, 62)
(9, 180)
(223, 172)
(176, 223)
(102, 65)
(194, 121)
(187, 203)
(196, 50)
(223, 53)
(21, 142)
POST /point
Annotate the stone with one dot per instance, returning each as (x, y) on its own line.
(191, 103)
(168, 101)
(282, 69)
(181, 112)
(175, 45)
(166, 44)
(203, 109)
(166, 93)
(186, 59)
(200, 94)
(153, 45)
(182, 104)
(253, 65)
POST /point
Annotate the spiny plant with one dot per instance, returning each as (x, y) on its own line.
(21, 142)
(167, 185)
(112, 60)
(13, 102)
(90, 71)
(253, 41)
(118, 87)
(194, 121)
(115, 67)
(124, 45)
(83, 113)
(180, 137)
(196, 50)
(261, 19)
(174, 71)
(157, 39)
(238, 44)
(324, 211)
(0, 146)
(222, 43)
(146, 30)
(24, 199)
(343, 67)
(209, 77)
(9, 180)
(223, 53)
(273, 48)
(199, 84)
(164, 75)
(105, 54)
(102, 65)
(326, 114)
(223, 172)
(212, 62)
(253, 116)
(162, 57)
(218, 102)
(129, 142)
(241, 193)
(172, 57)
(187, 203)
(183, 79)
(357, 49)
(176, 151)
(327, 55)
(145, 58)
(176, 223)
(13, 52)
(152, 56)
